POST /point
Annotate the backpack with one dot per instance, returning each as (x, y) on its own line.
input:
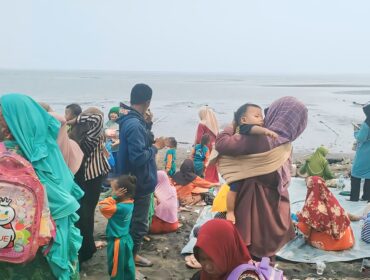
(262, 269)
(25, 221)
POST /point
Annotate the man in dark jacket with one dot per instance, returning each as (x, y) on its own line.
(137, 157)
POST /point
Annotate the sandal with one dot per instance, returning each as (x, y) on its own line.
(100, 244)
(140, 276)
(142, 262)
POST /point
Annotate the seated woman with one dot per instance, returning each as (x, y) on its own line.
(220, 249)
(188, 185)
(317, 165)
(323, 222)
(164, 219)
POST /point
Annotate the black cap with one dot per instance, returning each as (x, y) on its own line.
(140, 94)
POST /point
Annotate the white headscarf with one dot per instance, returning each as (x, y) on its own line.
(208, 118)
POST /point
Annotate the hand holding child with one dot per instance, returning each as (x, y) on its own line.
(271, 133)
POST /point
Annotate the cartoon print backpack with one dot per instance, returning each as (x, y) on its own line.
(263, 270)
(25, 222)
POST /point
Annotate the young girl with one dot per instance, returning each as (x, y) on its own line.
(118, 210)
(170, 158)
(200, 155)
(248, 120)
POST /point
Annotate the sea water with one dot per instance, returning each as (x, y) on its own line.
(333, 101)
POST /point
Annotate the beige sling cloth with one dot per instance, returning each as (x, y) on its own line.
(246, 166)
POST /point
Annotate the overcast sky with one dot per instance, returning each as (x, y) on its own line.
(276, 36)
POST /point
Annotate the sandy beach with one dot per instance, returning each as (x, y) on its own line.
(164, 250)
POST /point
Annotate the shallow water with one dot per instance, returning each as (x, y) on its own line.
(177, 98)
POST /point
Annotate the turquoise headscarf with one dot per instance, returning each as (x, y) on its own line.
(35, 132)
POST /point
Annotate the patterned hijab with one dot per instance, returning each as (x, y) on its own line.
(286, 116)
(208, 118)
(322, 210)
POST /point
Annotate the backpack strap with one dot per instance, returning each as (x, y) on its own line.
(238, 271)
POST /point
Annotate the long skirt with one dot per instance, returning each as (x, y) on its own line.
(263, 216)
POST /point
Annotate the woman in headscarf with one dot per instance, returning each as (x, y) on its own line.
(189, 186)
(71, 152)
(208, 125)
(220, 249)
(317, 165)
(165, 210)
(260, 166)
(323, 222)
(361, 162)
(35, 139)
(87, 131)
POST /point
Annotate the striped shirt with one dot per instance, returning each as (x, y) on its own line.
(92, 144)
(365, 231)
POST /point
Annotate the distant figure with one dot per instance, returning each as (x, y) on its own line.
(323, 221)
(170, 157)
(208, 125)
(72, 111)
(118, 210)
(137, 157)
(317, 165)
(361, 162)
(112, 134)
(200, 155)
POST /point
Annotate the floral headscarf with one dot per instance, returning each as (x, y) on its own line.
(322, 210)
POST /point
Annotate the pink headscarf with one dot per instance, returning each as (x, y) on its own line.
(166, 210)
(208, 118)
(287, 117)
(71, 151)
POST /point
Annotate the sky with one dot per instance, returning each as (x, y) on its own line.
(229, 36)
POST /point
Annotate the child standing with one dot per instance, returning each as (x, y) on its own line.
(118, 210)
(248, 120)
(200, 155)
(170, 158)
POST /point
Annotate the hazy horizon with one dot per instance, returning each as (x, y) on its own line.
(211, 36)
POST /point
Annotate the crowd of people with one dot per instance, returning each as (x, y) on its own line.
(75, 155)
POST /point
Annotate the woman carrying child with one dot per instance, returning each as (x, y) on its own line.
(118, 210)
(261, 167)
(200, 155)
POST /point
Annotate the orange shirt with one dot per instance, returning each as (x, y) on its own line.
(198, 185)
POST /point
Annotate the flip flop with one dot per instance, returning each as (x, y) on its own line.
(345, 193)
(143, 262)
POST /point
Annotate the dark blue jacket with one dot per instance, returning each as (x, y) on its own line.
(136, 155)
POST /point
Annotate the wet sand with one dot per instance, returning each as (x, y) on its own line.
(164, 250)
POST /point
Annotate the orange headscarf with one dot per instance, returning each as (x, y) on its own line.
(322, 210)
